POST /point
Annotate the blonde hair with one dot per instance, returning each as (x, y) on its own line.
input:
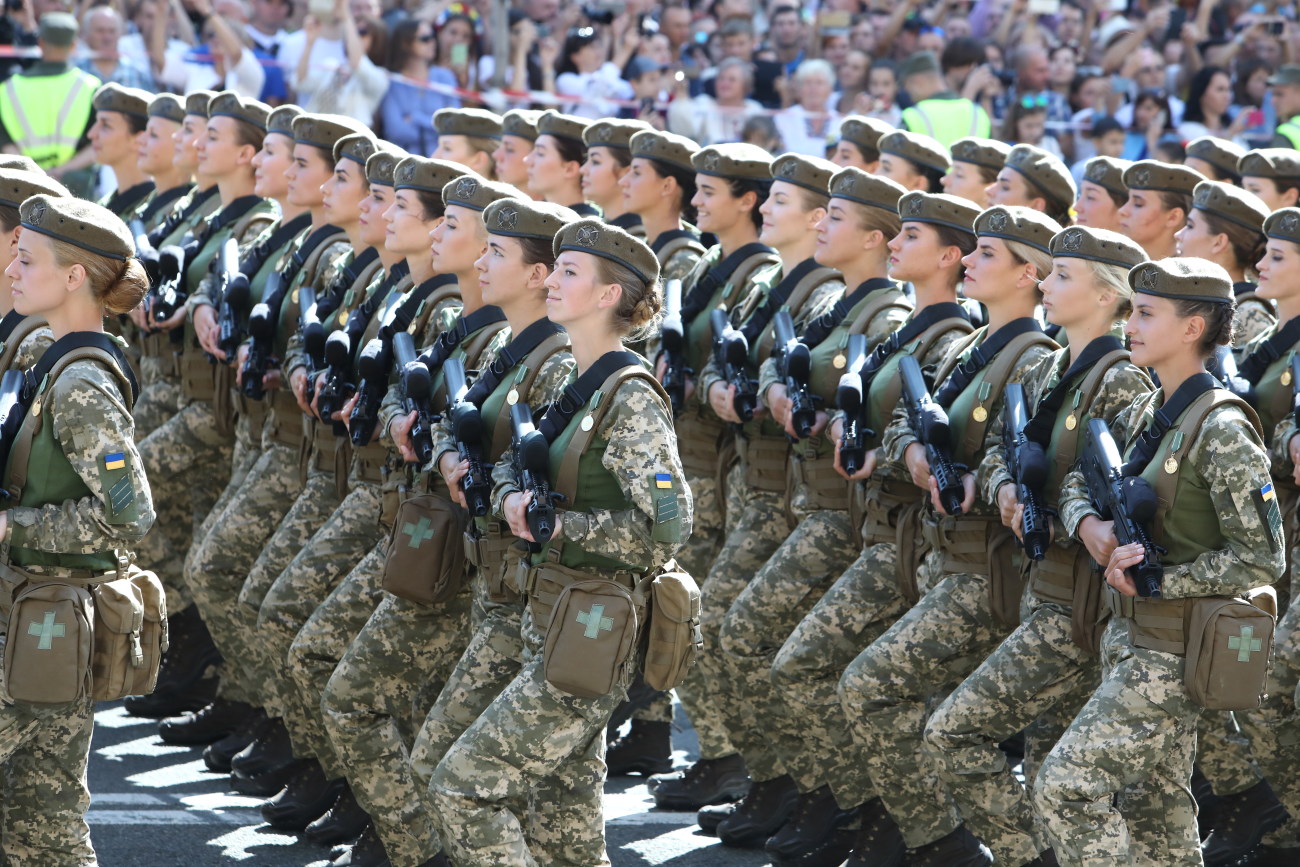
(1115, 278)
(118, 285)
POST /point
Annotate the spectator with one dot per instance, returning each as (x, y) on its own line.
(174, 37)
(1105, 138)
(1089, 97)
(101, 28)
(1209, 100)
(807, 127)
(1149, 120)
(937, 111)
(407, 109)
(1033, 79)
(646, 76)
(1285, 87)
(851, 83)
(675, 25)
(17, 28)
(713, 120)
(1062, 66)
(266, 24)
(583, 72)
(882, 90)
(760, 130)
(1143, 71)
(787, 39)
(1026, 123)
(223, 59)
(737, 36)
(458, 49)
(1250, 96)
(355, 88)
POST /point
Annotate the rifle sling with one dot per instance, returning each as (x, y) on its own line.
(1254, 365)
(1040, 425)
(980, 356)
(576, 394)
(698, 298)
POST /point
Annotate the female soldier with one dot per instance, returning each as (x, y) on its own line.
(1273, 174)
(22, 338)
(976, 164)
(1216, 158)
(732, 182)
(1223, 539)
(156, 159)
(630, 514)
(608, 158)
(518, 133)
(659, 187)
(468, 136)
(121, 114)
(916, 161)
(555, 162)
(970, 590)
(1033, 178)
(1159, 200)
(1086, 294)
(1225, 226)
(89, 498)
(1101, 193)
(859, 144)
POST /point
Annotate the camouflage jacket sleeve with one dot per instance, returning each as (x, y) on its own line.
(898, 435)
(332, 261)
(33, 347)
(254, 231)
(91, 423)
(1229, 463)
(1076, 502)
(641, 446)
(1252, 319)
(1279, 452)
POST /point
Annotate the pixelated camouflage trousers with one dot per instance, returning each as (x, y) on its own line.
(758, 623)
(160, 397)
(1037, 669)
(339, 544)
(533, 744)
(888, 692)
(854, 612)
(1274, 728)
(1134, 738)
(1224, 754)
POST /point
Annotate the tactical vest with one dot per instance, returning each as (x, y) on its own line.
(1290, 130)
(25, 327)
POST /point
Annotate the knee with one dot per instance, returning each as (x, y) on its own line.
(864, 682)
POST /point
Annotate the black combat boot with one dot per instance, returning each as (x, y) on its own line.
(369, 850)
(646, 749)
(1241, 822)
(206, 725)
(879, 842)
(217, 755)
(1272, 856)
(708, 781)
(957, 849)
(708, 818)
(270, 752)
(341, 823)
(304, 800)
(760, 814)
(186, 677)
(818, 832)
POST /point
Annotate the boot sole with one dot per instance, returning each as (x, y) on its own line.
(644, 768)
(724, 795)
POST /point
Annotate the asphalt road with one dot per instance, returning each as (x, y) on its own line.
(154, 805)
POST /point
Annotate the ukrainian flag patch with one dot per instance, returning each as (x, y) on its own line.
(115, 461)
(1267, 492)
(663, 480)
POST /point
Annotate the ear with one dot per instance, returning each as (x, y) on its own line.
(1028, 278)
(572, 169)
(76, 277)
(874, 240)
(815, 216)
(610, 296)
(1221, 243)
(1175, 218)
(1290, 197)
(537, 274)
(950, 256)
(1038, 203)
(1194, 329)
(246, 154)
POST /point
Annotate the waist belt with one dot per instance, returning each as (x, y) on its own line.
(763, 460)
(1156, 624)
(816, 479)
(543, 583)
(286, 418)
(964, 541)
(198, 376)
(368, 463)
(40, 574)
(698, 436)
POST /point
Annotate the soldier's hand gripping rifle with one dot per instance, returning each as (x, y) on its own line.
(1129, 501)
(233, 312)
(532, 466)
(1027, 464)
(929, 424)
(794, 366)
(313, 336)
(166, 293)
(731, 354)
(851, 398)
(467, 429)
(373, 367)
(339, 385)
(672, 336)
(417, 395)
(261, 348)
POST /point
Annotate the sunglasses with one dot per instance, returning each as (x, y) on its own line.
(425, 37)
(1036, 100)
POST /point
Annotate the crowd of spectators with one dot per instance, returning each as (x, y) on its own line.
(1075, 77)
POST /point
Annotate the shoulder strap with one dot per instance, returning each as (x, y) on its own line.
(885, 301)
(1065, 457)
(932, 334)
(14, 328)
(740, 264)
(531, 368)
(670, 243)
(999, 371)
(785, 296)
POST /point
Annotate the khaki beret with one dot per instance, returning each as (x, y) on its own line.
(358, 148)
(1284, 224)
(811, 173)
(665, 147)
(79, 222)
(525, 218)
(1017, 223)
(1224, 155)
(917, 63)
(58, 29)
(124, 100)
(590, 235)
(940, 209)
(423, 173)
(230, 104)
(920, 149)
(562, 126)
(477, 193)
(1044, 171)
(865, 132)
(20, 163)
(521, 122)
(1107, 173)
(1097, 245)
(382, 164)
(476, 122)
(17, 187)
(735, 160)
(1165, 177)
(167, 106)
(1270, 163)
(1231, 203)
(613, 133)
(196, 102)
(281, 119)
(324, 130)
(1286, 74)
(986, 152)
(874, 191)
(1183, 278)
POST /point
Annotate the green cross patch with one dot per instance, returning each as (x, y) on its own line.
(48, 630)
(419, 532)
(1245, 644)
(595, 621)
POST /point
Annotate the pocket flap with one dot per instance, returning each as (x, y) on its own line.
(119, 606)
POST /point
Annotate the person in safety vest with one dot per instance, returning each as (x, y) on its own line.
(1285, 86)
(936, 111)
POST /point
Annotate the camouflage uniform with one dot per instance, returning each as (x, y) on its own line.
(941, 639)
(1253, 317)
(45, 748)
(1142, 690)
(535, 740)
(1038, 668)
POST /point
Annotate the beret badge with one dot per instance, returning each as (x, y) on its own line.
(37, 215)
(1288, 223)
(914, 207)
(844, 184)
(1072, 241)
(1150, 279)
(466, 187)
(587, 236)
(998, 222)
(507, 218)
(1142, 177)
(712, 161)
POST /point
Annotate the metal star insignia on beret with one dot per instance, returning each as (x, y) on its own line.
(844, 184)
(1288, 223)
(1072, 241)
(998, 221)
(1141, 177)
(587, 236)
(507, 218)
(466, 187)
(1150, 279)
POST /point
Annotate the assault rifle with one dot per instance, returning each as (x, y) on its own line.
(672, 335)
(731, 354)
(313, 336)
(467, 429)
(232, 310)
(339, 386)
(417, 395)
(261, 346)
(1027, 464)
(532, 465)
(1129, 501)
(372, 384)
(794, 366)
(850, 397)
(930, 426)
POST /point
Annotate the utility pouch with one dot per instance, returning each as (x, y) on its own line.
(675, 639)
(1229, 644)
(130, 635)
(426, 550)
(49, 644)
(1006, 575)
(592, 632)
(912, 548)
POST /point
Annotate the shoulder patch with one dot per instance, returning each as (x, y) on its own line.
(117, 487)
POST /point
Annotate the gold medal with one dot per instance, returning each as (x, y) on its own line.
(343, 317)
(294, 297)
(1071, 422)
(36, 408)
(588, 422)
(1171, 465)
(512, 397)
(839, 361)
(980, 414)
(1286, 376)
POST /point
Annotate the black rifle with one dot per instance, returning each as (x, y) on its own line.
(731, 354)
(313, 336)
(417, 395)
(851, 397)
(794, 366)
(166, 292)
(1027, 464)
(232, 312)
(13, 409)
(372, 384)
(1222, 365)
(930, 426)
(469, 433)
(145, 250)
(261, 331)
(1129, 501)
(672, 335)
(532, 465)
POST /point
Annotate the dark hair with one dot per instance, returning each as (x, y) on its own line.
(400, 43)
(959, 238)
(1170, 200)
(622, 157)
(783, 10)
(869, 155)
(962, 51)
(577, 39)
(761, 189)
(377, 30)
(1195, 112)
(933, 177)
(570, 150)
(1082, 76)
(1247, 244)
(1218, 321)
(9, 219)
(537, 251)
(1162, 103)
(883, 63)
(1245, 69)
(457, 16)
(432, 203)
(1017, 111)
(136, 123)
(685, 183)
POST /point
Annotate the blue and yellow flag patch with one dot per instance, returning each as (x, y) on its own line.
(1267, 493)
(115, 461)
(663, 480)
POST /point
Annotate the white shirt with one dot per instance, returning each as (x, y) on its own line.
(704, 121)
(601, 86)
(326, 55)
(803, 134)
(188, 75)
(342, 90)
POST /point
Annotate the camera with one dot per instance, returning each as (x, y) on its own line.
(598, 16)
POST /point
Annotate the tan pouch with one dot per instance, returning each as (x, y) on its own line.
(1006, 575)
(1088, 612)
(591, 634)
(48, 648)
(426, 550)
(675, 639)
(912, 549)
(1229, 644)
(130, 635)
